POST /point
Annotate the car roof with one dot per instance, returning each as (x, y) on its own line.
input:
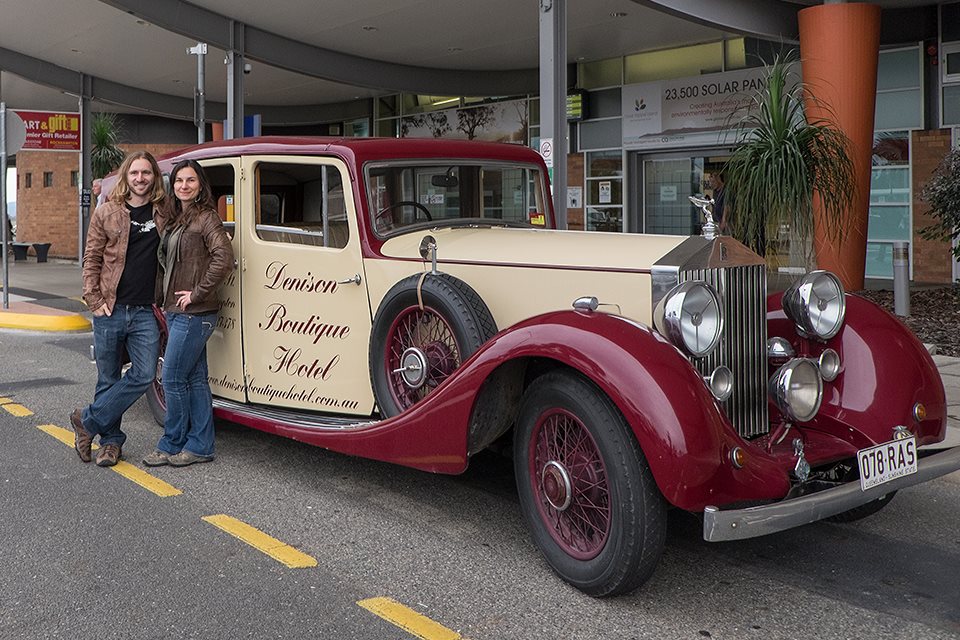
(359, 150)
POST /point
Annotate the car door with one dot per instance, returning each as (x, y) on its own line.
(306, 315)
(225, 347)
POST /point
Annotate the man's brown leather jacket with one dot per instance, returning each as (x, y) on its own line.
(106, 252)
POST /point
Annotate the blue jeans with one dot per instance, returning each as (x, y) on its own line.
(135, 328)
(189, 422)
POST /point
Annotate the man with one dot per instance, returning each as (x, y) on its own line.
(119, 287)
(715, 182)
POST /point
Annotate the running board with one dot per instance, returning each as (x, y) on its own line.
(293, 418)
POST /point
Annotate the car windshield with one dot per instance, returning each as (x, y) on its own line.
(450, 193)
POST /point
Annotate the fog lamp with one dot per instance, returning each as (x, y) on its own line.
(796, 389)
(738, 457)
(829, 363)
(720, 383)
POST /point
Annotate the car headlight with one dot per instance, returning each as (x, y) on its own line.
(816, 304)
(797, 389)
(690, 317)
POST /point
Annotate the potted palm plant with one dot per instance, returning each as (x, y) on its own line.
(782, 162)
(105, 154)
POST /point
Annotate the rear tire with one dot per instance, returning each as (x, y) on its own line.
(155, 397)
(586, 490)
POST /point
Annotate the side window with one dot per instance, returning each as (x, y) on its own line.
(301, 204)
(222, 183)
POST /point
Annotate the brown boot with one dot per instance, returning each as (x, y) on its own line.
(108, 455)
(82, 439)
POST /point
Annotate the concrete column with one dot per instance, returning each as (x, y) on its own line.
(234, 62)
(86, 166)
(553, 97)
(839, 46)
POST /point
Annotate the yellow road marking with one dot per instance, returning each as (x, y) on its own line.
(125, 469)
(262, 542)
(407, 619)
(15, 409)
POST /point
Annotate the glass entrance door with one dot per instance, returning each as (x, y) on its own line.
(667, 184)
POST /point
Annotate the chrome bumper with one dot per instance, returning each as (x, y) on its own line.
(738, 524)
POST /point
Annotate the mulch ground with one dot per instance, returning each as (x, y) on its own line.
(934, 315)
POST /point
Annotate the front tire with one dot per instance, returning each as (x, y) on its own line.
(586, 490)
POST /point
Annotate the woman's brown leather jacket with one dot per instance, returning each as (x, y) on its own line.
(201, 258)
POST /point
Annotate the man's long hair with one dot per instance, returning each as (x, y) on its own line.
(121, 190)
(180, 215)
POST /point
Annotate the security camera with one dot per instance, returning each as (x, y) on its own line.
(247, 67)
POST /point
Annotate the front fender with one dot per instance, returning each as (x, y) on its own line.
(885, 372)
(684, 435)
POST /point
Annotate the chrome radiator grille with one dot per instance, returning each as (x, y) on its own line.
(743, 343)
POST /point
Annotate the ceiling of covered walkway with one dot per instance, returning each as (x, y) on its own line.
(304, 52)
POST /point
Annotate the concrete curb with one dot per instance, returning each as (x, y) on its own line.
(44, 322)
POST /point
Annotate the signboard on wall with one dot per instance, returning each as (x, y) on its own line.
(685, 111)
(51, 130)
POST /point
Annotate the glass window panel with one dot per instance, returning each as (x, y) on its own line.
(953, 63)
(674, 63)
(388, 105)
(604, 219)
(891, 148)
(601, 73)
(535, 112)
(889, 223)
(899, 110)
(879, 263)
(601, 134)
(603, 104)
(604, 163)
(736, 54)
(604, 192)
(950, 21)
(951, 105)
(387, 128)
(890, 186)
(899, 69)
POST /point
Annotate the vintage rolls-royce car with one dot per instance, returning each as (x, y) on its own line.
(410, 301)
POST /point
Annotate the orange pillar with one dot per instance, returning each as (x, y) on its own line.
(839, 47)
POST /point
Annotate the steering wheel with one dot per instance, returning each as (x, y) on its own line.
(384, 218)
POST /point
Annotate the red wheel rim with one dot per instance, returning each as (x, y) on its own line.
(427, 335)
(570, 483)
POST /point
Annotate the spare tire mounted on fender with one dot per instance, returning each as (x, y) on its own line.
(426, 327)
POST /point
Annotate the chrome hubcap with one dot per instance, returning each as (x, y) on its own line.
(557, 487)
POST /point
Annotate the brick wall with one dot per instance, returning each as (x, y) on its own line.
(49, 214)
(932, 261)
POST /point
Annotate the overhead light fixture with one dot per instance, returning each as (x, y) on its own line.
(618, 14)
(454, 49)
(446, 101)
(369, 27)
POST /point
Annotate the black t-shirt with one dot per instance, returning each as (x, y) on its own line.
(138, 280)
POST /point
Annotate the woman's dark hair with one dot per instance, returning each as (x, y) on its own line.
(182, 216)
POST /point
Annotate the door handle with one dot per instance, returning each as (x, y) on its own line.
(354, 280)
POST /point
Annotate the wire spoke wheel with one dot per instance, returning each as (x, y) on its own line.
(421, 353)
(570, 477)
(586, 490)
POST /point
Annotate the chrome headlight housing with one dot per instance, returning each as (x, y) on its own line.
(690, 317)
(816, 304)
(797, 389)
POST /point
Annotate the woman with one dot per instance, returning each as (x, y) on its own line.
(195, 257)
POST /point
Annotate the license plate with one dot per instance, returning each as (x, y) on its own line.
(886, 462)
